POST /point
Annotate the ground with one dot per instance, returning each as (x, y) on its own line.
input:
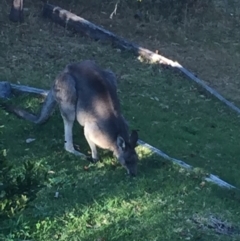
(207, 44)
(48, 194)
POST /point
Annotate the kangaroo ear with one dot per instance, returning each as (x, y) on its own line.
(121, 143)
(133, 138)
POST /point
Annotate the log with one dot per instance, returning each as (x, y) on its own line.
(74, 22)
(6, 87)
(16, 13)
(30, 90)
(210, 178)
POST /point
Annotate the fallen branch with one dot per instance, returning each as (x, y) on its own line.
(27, 89)
(6, 87)
(211, 178)
(72, 21)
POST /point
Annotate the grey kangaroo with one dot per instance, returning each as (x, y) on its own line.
(85, 92)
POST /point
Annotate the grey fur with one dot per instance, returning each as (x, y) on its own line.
(87, 93)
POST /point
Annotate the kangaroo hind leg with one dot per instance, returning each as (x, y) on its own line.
(65, 94)
(68, 115)
(89, 130)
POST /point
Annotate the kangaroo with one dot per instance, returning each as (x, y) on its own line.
(86, 92)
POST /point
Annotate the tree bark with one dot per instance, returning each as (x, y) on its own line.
(16, 13)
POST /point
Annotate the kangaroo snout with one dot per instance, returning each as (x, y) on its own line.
(130, 165)
(132, 171)
(126, 153)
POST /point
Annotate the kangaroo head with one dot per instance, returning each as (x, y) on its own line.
(126, 153)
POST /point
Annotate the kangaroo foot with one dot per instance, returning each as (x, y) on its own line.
(73, 151)
(93, 160)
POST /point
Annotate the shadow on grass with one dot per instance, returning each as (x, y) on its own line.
(87, 193)
(76, 181)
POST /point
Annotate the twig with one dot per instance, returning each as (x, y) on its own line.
(115, 10)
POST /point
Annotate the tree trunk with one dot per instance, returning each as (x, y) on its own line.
(16, 14)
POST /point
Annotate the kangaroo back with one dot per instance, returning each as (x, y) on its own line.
(97, 98)
(96, 88)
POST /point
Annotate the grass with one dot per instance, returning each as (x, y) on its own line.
(198, 42)
(48, 194)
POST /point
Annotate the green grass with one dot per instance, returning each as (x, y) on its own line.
(179, 119)
(100, 202)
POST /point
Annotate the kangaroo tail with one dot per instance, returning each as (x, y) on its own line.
(47, 109)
